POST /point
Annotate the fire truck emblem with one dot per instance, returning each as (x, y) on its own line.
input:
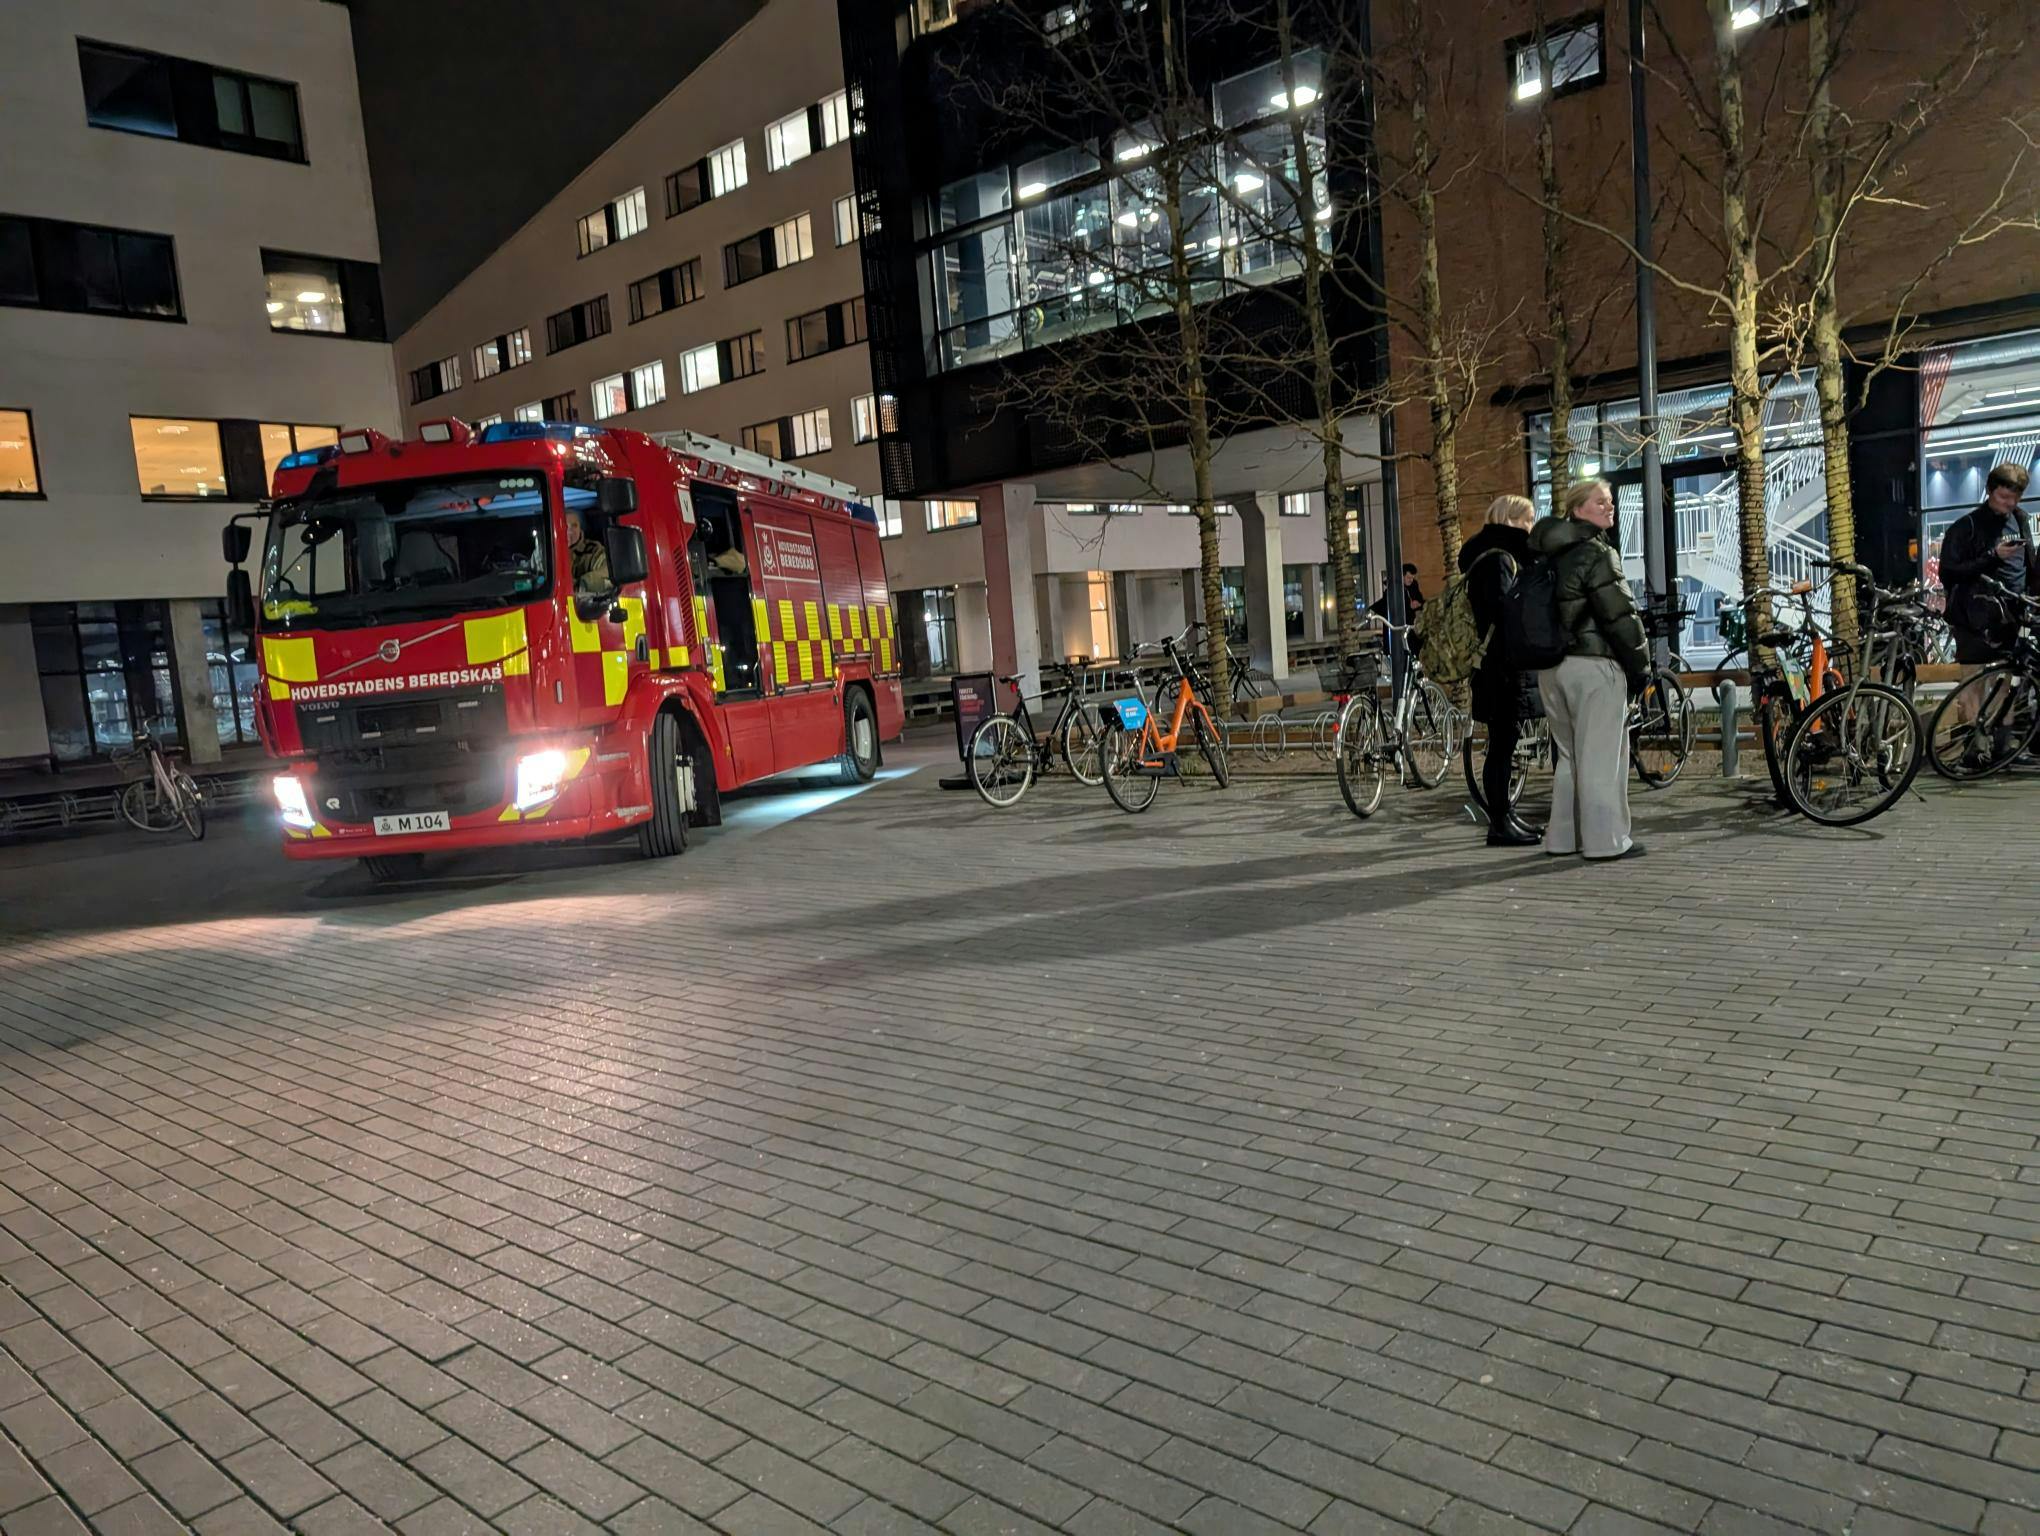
(768, 557)
(390, 650)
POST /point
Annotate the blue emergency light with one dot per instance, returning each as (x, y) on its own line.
(525, 431)
(862, 513)
(305, 458)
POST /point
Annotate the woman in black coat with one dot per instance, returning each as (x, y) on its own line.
(1502, 697)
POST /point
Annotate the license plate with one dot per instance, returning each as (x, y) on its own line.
(413, 821)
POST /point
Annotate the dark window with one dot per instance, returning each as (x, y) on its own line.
(230, 659)
(687, 188)
(748, 258)
(435, 379)
(825, 330)
(560, 408)
(739, 357)
(134, 91)
(668, 289)
(106, 670)
(1570, 60)
(768, 438)
(571, 327)
(47, 264)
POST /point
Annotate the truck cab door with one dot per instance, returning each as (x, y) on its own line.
(720, 555)
(605, 628)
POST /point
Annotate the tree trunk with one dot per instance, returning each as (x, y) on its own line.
(1830, 384)
(1431, 311)
(1196, 404)
(1338, 546)
(1556, 317)
(1746, 392)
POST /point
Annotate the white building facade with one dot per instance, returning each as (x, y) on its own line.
(189, 290)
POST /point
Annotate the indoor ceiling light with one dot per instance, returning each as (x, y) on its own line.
(192, 469)
(1096, 279)
(1031, 189)
(1744, 16)
(1136, 151)
(1324, 214)
(275, 306)
(1129, 218)
(1247, 181)
(312, 296)
(1525, 89)
(173, 429)
(1305, 95)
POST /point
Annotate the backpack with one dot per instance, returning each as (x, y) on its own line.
(1449, 637)
(1534, 638)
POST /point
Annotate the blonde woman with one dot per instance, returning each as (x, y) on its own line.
(1587, 695)
(1502, 696)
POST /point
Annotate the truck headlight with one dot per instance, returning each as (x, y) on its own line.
(538, 777)
(290, 799)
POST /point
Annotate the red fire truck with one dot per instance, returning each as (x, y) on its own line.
(547, 632)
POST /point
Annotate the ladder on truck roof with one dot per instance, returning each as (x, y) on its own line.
(746, 461)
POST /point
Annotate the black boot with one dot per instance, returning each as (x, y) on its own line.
(1511, 833)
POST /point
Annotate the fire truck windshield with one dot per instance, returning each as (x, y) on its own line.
(406, 549)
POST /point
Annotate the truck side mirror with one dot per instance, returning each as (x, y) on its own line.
(240, 596)
(235, 540)
(624, 546)
(616, 497)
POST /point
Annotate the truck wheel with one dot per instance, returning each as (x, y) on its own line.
(389, 868)
(860, 738)
(667, 760)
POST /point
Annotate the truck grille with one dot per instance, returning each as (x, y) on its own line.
(475, 715)
(382, 757)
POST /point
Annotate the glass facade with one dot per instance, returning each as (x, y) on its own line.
(105, 670)
(1979, 407)
(1080, 239)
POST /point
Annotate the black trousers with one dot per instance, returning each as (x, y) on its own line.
(1495, 773)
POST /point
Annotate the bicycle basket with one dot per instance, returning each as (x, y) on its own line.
(1355, 674)
(1663, 622)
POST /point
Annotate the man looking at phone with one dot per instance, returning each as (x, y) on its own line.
(1990, 548)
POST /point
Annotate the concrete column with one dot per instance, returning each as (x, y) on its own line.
(1006, 523)
(194, 681)
(1193, 595)
(1051, 616)
(1313, 603)
(23, 732)
(973, 629)
(1267, 627)
(1125, 635)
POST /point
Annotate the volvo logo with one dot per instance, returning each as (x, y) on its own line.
(390, 650)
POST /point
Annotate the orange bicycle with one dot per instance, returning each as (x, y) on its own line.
(1135, 754)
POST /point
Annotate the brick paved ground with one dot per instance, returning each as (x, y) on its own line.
(1231, 1169)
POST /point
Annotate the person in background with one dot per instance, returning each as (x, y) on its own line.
(1994, 542)
(1413, 595)
(591, 560)
(1587, 695)
(1503, 698)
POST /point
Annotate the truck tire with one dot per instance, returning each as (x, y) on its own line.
(666, 755)
(389, 868)
(860, 738)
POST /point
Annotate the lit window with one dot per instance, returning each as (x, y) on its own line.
(787, 141)
(766, 437)
(1571, 59)
(1296, 504)
(592, 230)
(864, 418)
(1748, 13)
(929, 15)
(483, 423)
(952, 514)
(1099, 586)
(488, 362)
(531, 412)
(647, 384)
(511, 350)
(699, 370)
(280, 439)
(618, 219)
(178, 458)
(1061, 21)
(888, 513)
(304, 293)
(793, 241)
(811, 433)
(833, 113)
(888, 413)
(19, 475)
(846, 219)
(608, 397)
(726, 169)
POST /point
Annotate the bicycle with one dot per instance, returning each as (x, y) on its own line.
(1417, 735)
(1004, 755)
(1989, 721)
(1853, 751)
(166, 798)
(1135, 755)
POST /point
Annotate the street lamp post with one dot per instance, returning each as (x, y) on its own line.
(1660, 539)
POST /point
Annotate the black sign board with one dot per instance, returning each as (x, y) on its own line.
(974, 698)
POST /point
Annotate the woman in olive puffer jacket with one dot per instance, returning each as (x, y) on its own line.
(1587, 695)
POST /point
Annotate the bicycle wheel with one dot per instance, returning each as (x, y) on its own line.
(1362, 758)
(1211, 742)
(145, 808)
(1473, 765)
(1119, 759)
(1079, 745)
(1852, 755)
(1658, 732)
(1434, 734)
(1000, 758)
(1774, 721)
(1983, 725)
(190, 808)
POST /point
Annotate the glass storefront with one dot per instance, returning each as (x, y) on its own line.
(1979, 407)
(106, 672)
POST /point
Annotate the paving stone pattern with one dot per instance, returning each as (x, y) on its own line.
(1234, 1168)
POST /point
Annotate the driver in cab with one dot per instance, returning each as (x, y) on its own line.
(591, 560)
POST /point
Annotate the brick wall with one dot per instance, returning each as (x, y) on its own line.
(1490, 235)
